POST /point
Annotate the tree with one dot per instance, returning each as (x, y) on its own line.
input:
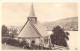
(4, 31)
(59, 37)
(13, 32)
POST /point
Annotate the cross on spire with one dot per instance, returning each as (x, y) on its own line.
(32, 13)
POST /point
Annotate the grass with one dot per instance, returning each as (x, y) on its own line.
(8, 47)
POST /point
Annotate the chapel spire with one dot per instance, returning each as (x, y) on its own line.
(32, 13)
(32, 16)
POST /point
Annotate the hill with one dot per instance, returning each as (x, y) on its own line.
(70, 24)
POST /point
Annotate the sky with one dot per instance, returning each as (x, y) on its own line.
(16, 13)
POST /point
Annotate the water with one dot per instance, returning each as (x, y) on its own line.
(73, 39)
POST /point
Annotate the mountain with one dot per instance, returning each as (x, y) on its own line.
(70, 24)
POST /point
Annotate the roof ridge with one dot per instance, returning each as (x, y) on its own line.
(23, 27)
(35, 28)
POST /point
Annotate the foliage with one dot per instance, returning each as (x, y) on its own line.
(11, 41)
(4, 40)
(5, 31)
(13, 32)
(59, 37)
(8, 32)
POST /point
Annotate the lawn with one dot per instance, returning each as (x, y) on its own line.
(8, 47)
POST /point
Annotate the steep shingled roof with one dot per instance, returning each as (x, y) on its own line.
(31, 30)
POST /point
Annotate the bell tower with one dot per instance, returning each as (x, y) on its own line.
(32, 16)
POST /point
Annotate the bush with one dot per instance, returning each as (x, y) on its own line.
(4, 40)
(24, 44)
(13, 42)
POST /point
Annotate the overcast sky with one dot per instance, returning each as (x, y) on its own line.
(16, 13)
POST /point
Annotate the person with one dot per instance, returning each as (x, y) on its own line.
(33, 44)
(24, 44)
(41, 45)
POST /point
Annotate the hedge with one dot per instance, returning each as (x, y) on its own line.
(11, 41)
